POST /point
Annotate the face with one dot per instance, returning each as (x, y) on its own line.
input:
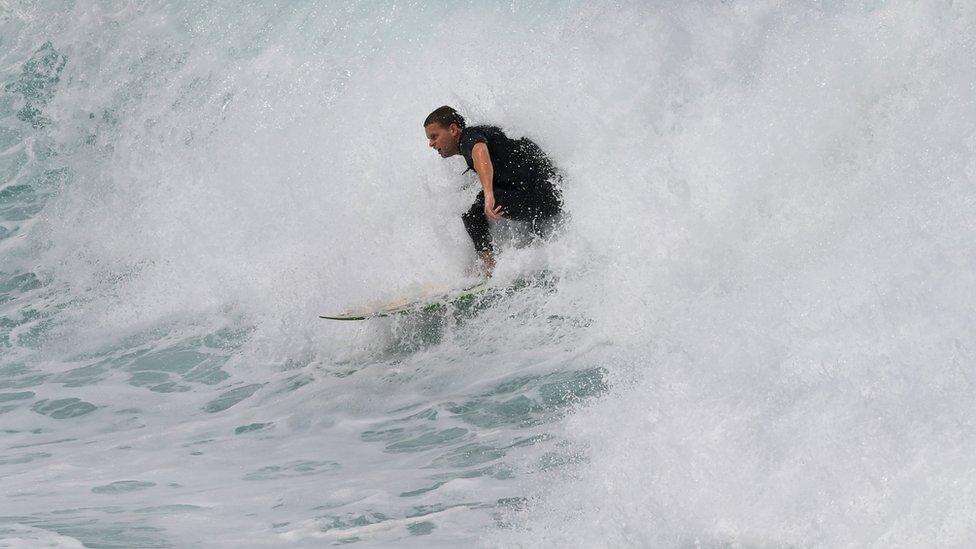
(444, 140)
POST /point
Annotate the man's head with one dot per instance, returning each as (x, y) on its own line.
(443, 128)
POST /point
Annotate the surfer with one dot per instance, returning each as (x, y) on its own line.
(518, 181)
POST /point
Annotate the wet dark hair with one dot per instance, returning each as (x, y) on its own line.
(445, 116)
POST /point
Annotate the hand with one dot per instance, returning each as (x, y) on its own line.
(494, 213)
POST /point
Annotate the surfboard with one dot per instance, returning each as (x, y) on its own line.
(428, 299)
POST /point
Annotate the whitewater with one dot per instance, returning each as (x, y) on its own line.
(758, 329)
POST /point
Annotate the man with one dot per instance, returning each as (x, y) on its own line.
(518, 181)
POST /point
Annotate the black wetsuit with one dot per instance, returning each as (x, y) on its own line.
(525, 183)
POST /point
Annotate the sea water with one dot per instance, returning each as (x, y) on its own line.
(759, 330)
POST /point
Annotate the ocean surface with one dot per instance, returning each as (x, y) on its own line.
(757, 328)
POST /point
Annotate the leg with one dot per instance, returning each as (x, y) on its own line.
(488, 261)
(539, 206)
(534, 200)
(476, 223)
(545, 227)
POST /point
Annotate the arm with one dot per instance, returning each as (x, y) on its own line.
(486, 173)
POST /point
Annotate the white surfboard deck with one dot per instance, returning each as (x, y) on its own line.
(423, 298)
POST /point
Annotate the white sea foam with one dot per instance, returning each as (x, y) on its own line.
(760, 331)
